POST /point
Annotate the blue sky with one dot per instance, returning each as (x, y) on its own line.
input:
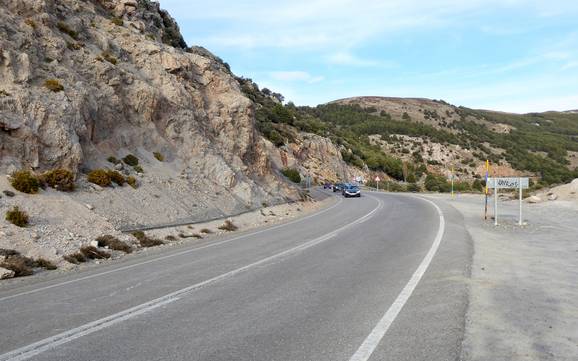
(508, 55)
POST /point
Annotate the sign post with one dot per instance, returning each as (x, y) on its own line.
(486, 189)
(452, 178)
(508, 183)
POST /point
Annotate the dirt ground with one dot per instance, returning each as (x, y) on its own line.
(524, 287)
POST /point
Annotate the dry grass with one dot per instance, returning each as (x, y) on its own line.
(17, 217)
(171, 238)
(75, 258)
(53, 85)
(22, 266)
(146, 241)
(113, 243)
(25, 182)
(106, 55)
(91, 252)
(228, 226)
(206, 231)
(46, 264)
(62, 26)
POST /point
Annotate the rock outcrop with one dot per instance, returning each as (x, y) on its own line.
(84, 80)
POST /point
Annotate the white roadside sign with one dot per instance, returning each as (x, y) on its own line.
(509, 182)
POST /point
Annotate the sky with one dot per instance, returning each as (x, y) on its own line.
(508, 55)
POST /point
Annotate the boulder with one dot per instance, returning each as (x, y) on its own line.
(533, 199)
(6, 273)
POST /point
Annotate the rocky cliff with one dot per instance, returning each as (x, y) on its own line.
(81, 81)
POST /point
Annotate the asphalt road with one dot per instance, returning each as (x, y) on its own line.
(381, 277)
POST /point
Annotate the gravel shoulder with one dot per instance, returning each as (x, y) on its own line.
(523, 302)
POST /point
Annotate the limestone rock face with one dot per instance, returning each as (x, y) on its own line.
(127, 84)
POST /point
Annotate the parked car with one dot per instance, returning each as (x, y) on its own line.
(338, 187)
(351, 190)
(327, 185)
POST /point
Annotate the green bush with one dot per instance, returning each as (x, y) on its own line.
(59, 179)
(117, 21)
(292, 174)
(100, 177)
(138, 169)
(131, 160)
(62, 26)
(113, 160)
(106, 55)
(159, 156)
(17, 217)
(25, 182)
(435, 183)
(132, 181)
(116, 177)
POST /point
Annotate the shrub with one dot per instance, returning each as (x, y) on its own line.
(62, 26)
(31, 23)
(132, 181)
(413, 187)
(75, 258)
(146, 241)
(107, 55)
(8, 252)
(100, 177)
(113, 160)
(113, 243)
(25, 182)
(116, 177)
(228, 226)
(292, 174)
(22, 266)
(53, 85)
(117, 21)
(46, 264)
(171, 238)
(206, 231)
(138, 169)
(131, 160)
(17, 217)
(159, 156)
(59, 179)
(91, 252)
(437, 183)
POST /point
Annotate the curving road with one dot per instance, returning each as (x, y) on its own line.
(382, 277)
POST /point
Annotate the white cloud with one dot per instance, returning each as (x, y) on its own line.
(346, 58)
(291, 76)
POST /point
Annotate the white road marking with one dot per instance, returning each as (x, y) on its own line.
(368, 346)
(168, 256)
(46, 344)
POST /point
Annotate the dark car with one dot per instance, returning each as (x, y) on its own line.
(337, 187)
(327, 185)
(351, 190)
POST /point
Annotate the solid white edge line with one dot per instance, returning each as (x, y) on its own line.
(36, 348)
(191, 250)
(369, 345)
